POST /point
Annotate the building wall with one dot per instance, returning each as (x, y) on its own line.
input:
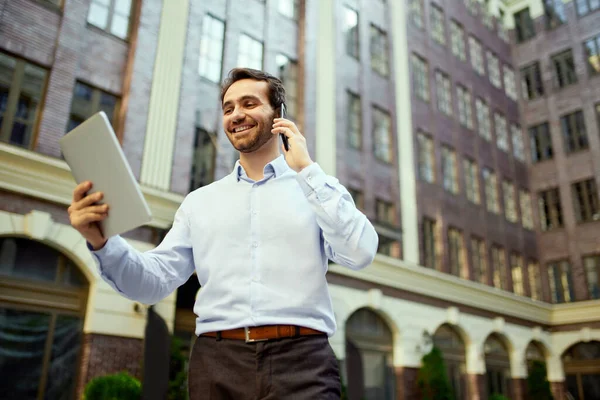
(574, 240)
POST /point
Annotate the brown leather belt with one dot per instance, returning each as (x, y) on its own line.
(263, 333)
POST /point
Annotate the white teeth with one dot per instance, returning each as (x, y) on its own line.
(242, 128)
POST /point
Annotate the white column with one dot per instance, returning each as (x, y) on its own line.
(164, 96)
(406, 168)
(325, 116)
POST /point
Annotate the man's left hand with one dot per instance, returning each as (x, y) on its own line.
(297, 157)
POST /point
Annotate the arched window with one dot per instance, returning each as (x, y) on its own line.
(497, 365)
(582, 370)
(369, 357)
(453, 348)
(42, 307)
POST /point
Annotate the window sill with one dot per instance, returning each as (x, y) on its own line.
(106, 33)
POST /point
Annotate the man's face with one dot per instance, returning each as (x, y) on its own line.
(248, 115)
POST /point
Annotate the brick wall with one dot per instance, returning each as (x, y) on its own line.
(406, 383)
(476, 387)
(559, 390)
(102, 355)
(519, 387)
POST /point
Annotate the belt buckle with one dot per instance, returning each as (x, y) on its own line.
(248, 340)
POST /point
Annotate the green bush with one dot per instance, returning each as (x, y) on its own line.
(497, 396)
(121, 386)
(178, 373)
(538, 387)
(432, 377)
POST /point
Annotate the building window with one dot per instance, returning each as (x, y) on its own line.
(526, 209)
(426, 158)
(531, 79)
(444, 94)
(87, 101)
(288, 73)
(438, 31)
(112, 16)
(535, 280)
(465, 113)
(203, 166)
(483, 119)
(472, 181)
(517, 142)
(211, 49)
(420, 76)
(573, 130)
(510, 202)
(541, 143)
(351, 33)
(501, 132)
(494, 69)
(585, 200)
(491, 191)
(429, 244)
(416, 13)
(591, 50)
(479, 260)
(449, 170)
(509, 82)
(457, 36)
(476, 52)
(586, 6)
(21, 90)
(516, 266)
(564, 69)
(499, 267)
(555, 13)
(389, 246)
(289, 8)
(559, 277)
(379, 51)
(550, 209)
(592, 272)
(524, 28)
(385, 213)
(354, 121)
(250, 53)
(358, 197)
(382, 129)
(456, 252)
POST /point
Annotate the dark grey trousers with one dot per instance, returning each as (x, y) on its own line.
(299, 368)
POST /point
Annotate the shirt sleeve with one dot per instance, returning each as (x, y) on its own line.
(350, 238)
(150, 276)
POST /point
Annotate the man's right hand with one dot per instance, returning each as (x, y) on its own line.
(85, 214)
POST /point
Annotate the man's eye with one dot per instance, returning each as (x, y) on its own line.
(250, 104)
(227, 111)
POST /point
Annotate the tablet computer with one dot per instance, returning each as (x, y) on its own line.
(94, 154)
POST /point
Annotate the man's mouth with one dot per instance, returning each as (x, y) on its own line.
(242, 128)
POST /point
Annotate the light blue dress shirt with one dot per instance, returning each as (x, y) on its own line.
(259, 249)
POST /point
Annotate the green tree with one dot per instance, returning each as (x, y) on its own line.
(120, 386)
(497, 396)
(432, 378)
(538, 387)
(177, 372)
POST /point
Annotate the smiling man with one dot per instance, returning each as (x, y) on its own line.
(259, 241)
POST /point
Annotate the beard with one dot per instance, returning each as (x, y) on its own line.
(251, 141)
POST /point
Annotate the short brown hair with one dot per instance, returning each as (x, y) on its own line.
(276, 89)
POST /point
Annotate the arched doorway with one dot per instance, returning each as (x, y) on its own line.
(447, 339)
(581, 363)
(369, 357)
(497, 366)
(43, 297)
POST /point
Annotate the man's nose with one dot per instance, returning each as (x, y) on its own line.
(237, 115)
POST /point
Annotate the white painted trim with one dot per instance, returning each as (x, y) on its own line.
(325, 134)
(404, 129)
(47, 178)
(164, 97)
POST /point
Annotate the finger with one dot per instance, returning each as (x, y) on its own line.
(88, 218)
(80, 190)
(88, 201)
(286, 131)
(286, 123)
(101, 209)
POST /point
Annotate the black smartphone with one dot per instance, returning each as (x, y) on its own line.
(284, 138)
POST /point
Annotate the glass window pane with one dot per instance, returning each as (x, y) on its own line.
(63, 362)
(98, 15)
(22, 258)
(120, 26)
(22, 342)
(123, 7)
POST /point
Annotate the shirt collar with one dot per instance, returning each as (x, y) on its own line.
(277, 167)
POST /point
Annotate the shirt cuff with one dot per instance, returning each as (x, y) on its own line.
(312, 178)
